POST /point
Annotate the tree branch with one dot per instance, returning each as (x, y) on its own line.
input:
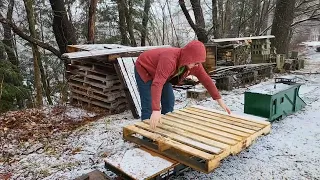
(29, 38)
(304, 20)
(186, 13)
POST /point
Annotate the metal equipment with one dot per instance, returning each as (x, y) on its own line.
(274, 101)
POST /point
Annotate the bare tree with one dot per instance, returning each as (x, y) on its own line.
(122, 23)
(199, 26)
(91, 21)
(8, 37)
(307, 10)
(215, 22)
(283, 18)
(173, 26)
(35, 52)
(62, 26)
(147, 5)
(127, 8)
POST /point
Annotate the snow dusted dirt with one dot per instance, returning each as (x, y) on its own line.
(290, 151)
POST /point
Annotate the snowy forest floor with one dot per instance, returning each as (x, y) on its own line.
(75, 142)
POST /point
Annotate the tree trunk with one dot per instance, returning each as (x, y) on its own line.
(164, 25)
(241, 16)
(2, 52)
(128, 10)
(63, 31)
(122, 23)
(10, 48)
(147, 5)
(263, 20)
(91, 21)
(69, 4)
(174, 32)
(221, 18)
(8, 37)
(254, 15)
(227, 19)
(35, 52)
(199, 27)
(283, 18)
(44, 79)
(215, 22)
(62, 26)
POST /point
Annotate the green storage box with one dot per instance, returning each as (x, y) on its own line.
(273, 101)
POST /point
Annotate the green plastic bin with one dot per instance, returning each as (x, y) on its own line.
(273, 101)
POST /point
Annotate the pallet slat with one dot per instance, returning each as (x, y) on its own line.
(199, 139)
(164, 143)
(225, 120)
(233, 115)
(215, 121)
(211, 125)
(199, 129)
(193, 136)
(181, 139)
(229, 133)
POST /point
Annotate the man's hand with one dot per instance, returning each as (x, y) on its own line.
(224, 106)
(227, 109)
(155, 119)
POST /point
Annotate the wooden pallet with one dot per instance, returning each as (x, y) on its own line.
(197, 136)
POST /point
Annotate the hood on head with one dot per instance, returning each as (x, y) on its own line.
(193, 52)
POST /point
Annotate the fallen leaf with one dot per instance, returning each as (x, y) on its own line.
(76, 150)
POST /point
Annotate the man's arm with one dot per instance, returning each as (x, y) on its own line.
(207, 82)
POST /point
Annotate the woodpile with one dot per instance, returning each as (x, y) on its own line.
(97, 79)
(96, 83)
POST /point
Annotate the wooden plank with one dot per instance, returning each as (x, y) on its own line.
(221, 123)
(210, 124)
(110, 94)
(135, 112)
(98, 103)
(95, 53)
(146, 158)
(160, 139)
(242, 38)
(193, 136)
(170, 153)
(129, 63)
(130, 82)
(225, 116)
(205, 128)
(234, 115)
(90, 95)
(181, 139)
(195, 130)
(221, 119)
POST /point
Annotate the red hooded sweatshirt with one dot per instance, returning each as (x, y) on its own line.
(160, 65)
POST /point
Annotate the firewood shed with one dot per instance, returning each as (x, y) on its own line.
(96, 76)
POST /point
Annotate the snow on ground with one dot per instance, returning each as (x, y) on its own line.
(290, 151)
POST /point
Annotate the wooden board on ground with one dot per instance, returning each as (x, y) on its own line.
(198, 137)
(139, 163)
(127, 70)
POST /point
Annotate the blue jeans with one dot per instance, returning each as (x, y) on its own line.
(167, 97)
